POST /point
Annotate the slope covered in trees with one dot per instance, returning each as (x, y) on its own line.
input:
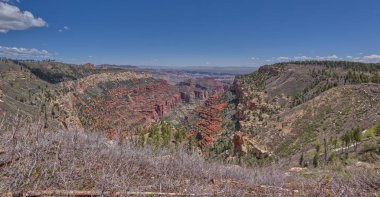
(288, 107)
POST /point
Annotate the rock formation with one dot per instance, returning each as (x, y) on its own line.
(200, 89)
(126, 105)
(206, 124)
(243, 145)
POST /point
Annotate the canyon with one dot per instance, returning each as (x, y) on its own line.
(279, 115)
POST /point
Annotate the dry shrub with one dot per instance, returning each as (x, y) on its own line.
(44, 159)
(35, 158)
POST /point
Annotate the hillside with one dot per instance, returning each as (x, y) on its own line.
(282, 108)
(299, 124)
(290, 107)
(42, 90)
(104, 99)
(24, 92)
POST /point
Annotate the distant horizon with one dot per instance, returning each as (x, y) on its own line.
(187, 67)
(246, 33)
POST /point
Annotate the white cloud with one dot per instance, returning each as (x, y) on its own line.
(302, 57)
(332, 57)
(372, 57)
(12, 18)
(282, 58)
(22, 53)
(9, 1)
(64, 28)
(369, 58)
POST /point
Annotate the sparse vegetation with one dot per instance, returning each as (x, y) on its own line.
(37, 159)
(313, 115)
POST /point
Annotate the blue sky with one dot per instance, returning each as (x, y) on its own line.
(190, 32)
